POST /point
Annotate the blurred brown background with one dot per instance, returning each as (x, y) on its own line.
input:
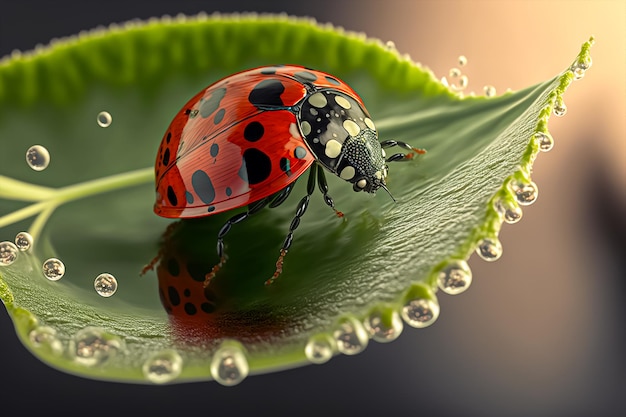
(540, 332)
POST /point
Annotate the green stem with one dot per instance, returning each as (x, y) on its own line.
(70, 193)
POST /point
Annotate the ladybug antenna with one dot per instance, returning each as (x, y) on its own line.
(384, 187)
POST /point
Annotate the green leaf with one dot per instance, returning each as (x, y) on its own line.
(344, 280)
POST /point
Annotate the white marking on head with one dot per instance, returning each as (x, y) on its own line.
(306, 128)
(352, 128)
(318, 100)
(342, 102)
(347, 173)
(333, 148)
(370, 123)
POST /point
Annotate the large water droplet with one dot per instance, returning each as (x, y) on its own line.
(104, 119)
(384, 324)
(23, 241)
(525, 192)
(37, 157)
(455, 278)
(559, 107)
(544, 141)
(420, 312)
(320, 348)
(92, 346)
(53, 269)
(163, 367)
(229, 365)
(509, 210)
(350, 336)
(579, 67)
(105, 285)
(489, 249)
(44, 337)
(8, 253)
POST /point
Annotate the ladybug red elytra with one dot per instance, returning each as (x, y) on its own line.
(246, 139)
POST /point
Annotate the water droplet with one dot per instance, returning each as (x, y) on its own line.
(525, 193)
(544, 141)
(53, 269)
(44, 337)
(489, 249)
(350, 336)
(420, 312)
(229, 365)
(510, 212)
(92, 346)
(38, 157)
(579, 68)
(23, 241)
(384, 324)
(8, 253)
(490, 90)
(104, 119)
(455, 278)
(390, 45)
(455, 72)
(462, 60)
(320, 348)
(461, 84)
(559, 107)
(163, 367)
(105, 285)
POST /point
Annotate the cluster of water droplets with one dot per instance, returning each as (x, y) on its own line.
(9, 251)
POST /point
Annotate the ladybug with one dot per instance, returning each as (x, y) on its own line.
(247, 138)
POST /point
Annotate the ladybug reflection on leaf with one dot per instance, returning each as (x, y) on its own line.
(246, 139)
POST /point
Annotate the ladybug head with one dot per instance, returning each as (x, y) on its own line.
(364, 158)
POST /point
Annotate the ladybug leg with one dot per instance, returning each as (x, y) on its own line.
(323, 186)
(237, 218)
(401, 156)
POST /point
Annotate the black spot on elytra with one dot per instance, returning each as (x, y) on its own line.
(253, 131)
(172, 267)
(257, 166)
(173, 295)
(332, 80)
(171, 196)
(190, 309)
(228, 191)
(208, 106)
(285, 165)
(210, 209)
(203, 186)
(166, 157)
(267, 93)
(219, 116)
(197, 271)
(305, 76)
(215, 148)
(189, 197)
(168, 137)
(268, 71)
(187, 292)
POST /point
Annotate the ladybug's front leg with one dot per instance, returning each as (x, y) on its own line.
(401, 156)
